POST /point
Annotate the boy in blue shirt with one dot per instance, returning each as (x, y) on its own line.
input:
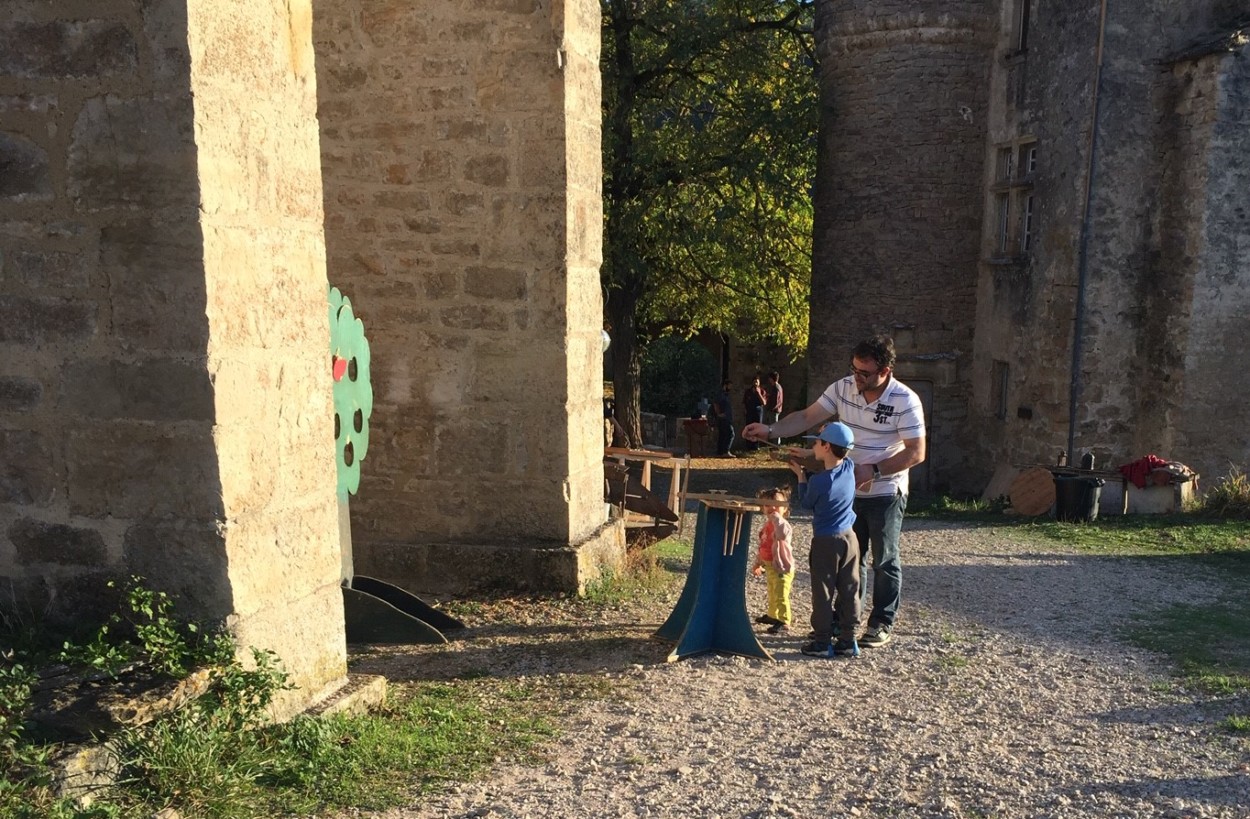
(834, 556)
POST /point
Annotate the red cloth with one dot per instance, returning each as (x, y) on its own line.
(1139, 470)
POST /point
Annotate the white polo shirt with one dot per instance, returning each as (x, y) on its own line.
(880, 427)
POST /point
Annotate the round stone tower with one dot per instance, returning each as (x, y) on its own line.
(905, 89)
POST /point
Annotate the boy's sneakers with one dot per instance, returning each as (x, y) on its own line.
(823, 648)
(846, 648)
(766, 620)
(876, 635)
(778, 628)
(818, 648)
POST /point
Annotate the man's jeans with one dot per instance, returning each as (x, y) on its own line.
(878, 522)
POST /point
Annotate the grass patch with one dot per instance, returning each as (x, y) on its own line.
(1148, 535)
(943, 507)
(1236, 724)
(649, 572)
(1210, 643)
(221, 757)
(952, 662)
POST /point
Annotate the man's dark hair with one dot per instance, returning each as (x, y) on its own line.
(879, 348)
(774, 375)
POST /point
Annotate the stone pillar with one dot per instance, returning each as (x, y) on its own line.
(164, 392)
(461, 159)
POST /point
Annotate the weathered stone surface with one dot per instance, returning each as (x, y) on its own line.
(45, 320)
(161, 551)
(159, 389)
(135, 470)
(155, 270)
(28, 473)
(24, 174)
(495, 283)
(66, 49)
(137, 152)
(39, 542)
(96, 704)
(49, 270)
(19, 394)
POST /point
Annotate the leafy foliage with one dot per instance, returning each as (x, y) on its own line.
(146, 632)
(1230, 498)
(676, 373)
(709, 151)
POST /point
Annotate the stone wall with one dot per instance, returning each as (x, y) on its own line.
(460, 153)
(904, 95)
(1156, 318)
(1211, 425)
(164, 399)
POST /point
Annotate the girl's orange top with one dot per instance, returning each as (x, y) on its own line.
(775, 537)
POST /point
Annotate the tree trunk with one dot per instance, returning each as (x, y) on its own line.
(626, 363)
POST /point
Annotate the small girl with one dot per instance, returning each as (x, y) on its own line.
(776, 559)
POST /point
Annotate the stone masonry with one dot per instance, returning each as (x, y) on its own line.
(898, 197)
(972, 259)
(164, 398)
(461, 158)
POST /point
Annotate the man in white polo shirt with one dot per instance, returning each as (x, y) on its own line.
(888, 422)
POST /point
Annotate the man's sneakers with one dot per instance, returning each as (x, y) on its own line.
(876, 635)
(823, 648)
(778, 628)
(767, 620)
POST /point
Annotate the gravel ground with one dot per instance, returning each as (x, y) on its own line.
(1006, 692)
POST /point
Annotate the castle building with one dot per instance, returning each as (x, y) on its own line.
(1044, 203)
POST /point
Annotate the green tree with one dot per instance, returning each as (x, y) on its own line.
(710, 116)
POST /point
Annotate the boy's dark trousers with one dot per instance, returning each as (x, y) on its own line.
(834, 565)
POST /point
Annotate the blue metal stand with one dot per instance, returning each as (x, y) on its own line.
(711, 613)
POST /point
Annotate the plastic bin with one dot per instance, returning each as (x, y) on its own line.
(1076, 498)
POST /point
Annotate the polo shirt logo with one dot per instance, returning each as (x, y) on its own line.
(884, 411)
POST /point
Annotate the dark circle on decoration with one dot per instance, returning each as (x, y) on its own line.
(348, 454)
(358, 421)
(351, 369)
(338, 426)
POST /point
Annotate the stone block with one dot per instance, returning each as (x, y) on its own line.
(39, 542)
(160, 389)
(306, 631)
(19, 394)
(24, 175)
(65, 49)
(134, 152)
(186, 559)
(155, 274)
(49, 270)
(133, 470)
(489, 171)
(495, 283)
(28, 471)
(45, 320)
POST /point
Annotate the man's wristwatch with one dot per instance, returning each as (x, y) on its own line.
(876, 472)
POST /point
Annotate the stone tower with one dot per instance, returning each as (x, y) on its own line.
(904, 93)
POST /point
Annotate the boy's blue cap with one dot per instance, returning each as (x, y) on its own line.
(837, 433)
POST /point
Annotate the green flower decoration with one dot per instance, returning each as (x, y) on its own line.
(353, 393)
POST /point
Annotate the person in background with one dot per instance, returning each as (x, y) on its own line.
(722, 413)
(776, 559)
(834, 557)
(888, 422)
(774, 400)
(753, 400)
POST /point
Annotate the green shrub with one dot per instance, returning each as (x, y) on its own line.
(1230, 498)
